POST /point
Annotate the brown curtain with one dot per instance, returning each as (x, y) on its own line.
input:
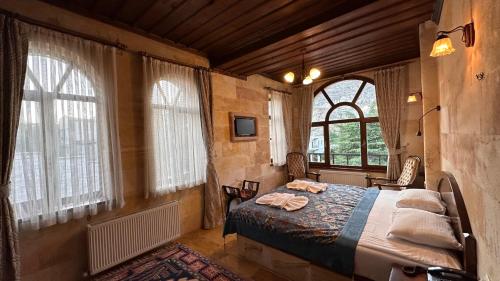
(214, 210)
(390, 87)
(13, 59)
(287, 108)
(305, 99)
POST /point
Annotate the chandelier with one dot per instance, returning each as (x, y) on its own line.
(306, 77)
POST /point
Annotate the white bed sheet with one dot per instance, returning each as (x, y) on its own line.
(376, 253)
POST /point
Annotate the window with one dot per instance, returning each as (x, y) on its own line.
(277, 129)
(178, 157)
(345, 129)
(59, 160)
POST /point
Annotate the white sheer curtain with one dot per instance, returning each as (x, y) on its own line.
(279, 146)
(67, 158)
(176, 152)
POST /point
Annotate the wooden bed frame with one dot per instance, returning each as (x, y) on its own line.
(298, 269)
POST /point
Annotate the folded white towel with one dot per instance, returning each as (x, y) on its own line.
(314, 187)
(286, 201)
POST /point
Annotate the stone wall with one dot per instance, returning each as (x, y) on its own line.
(237, 161)
(59, 252)
(470, 121)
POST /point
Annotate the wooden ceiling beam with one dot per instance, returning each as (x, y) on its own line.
(334, 53)
(122, 25)
(335, 44)
(134, 22)
(293, 18)
(367, 56)
(119, 10)
(354, 38)
(202, 18)
(378, 14)
(371, 64)
(361, 57)
(270, 37)
(182, 14)
(245, 21)
(173, 8)
(223, 19)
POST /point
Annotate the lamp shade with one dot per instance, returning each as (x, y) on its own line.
(289, 77)
(308, 80)
(412, 98)
(314, 73)
(442, 46)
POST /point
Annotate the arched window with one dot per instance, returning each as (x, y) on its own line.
(59, 162)
(179, 152)
(345, 129)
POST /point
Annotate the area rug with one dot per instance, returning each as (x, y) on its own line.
(174, 262)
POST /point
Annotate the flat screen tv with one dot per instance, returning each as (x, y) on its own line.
(243, 127)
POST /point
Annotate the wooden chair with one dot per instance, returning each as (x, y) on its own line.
(248, 191)
(297, 169)
(407, 177)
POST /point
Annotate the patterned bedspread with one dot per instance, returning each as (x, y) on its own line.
(312, 232)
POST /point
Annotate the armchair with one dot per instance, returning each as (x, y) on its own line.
(406, 178)
(297, 169)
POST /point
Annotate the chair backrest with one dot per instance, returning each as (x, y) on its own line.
(251, 185)
(296, 164)
(410, 170)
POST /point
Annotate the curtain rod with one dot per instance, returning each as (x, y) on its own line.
(215, 70)
(146, 54)
(116, 44)
(88, 37)
(279, 91)
(31, 21)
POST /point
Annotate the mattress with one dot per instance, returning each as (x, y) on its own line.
(375, 253)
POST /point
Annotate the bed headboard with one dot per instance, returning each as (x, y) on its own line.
(451, 195)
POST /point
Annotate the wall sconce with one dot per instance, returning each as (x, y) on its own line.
(443, 45)
(413, 97)
(437, 108)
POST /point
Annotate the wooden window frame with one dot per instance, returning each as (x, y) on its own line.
(362, 120)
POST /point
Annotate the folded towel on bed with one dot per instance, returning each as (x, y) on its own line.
(286, 201)
(313, 187)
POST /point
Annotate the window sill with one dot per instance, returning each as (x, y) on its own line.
(349, 169)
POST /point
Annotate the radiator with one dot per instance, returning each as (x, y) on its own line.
(117, 240)
(344, 177)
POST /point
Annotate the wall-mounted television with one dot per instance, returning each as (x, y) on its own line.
(243, 127)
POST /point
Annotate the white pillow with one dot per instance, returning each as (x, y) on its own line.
(423, 227)
(422, 199)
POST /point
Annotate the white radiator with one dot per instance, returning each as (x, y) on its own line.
(118, 240)
(344, 177)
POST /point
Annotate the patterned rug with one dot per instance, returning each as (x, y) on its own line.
(174, 262)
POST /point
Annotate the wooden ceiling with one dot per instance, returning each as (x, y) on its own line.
(270, 37)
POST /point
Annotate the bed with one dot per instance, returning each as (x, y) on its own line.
(341, 235)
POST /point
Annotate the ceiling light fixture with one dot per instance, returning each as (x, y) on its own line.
(289, 77)
(307, 78)
(443, 45)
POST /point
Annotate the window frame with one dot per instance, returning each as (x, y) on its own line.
(362, 121)
(171, 109)
(36, 96)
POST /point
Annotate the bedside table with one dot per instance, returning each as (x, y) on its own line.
(397, 274)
